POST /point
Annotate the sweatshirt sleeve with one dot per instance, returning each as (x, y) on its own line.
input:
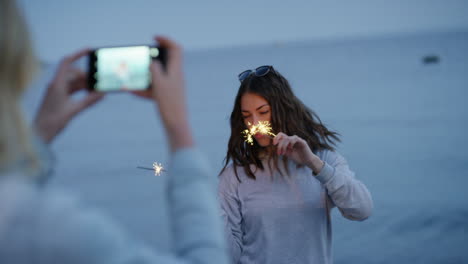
(231, 212)
(70, 234)
(347, 193)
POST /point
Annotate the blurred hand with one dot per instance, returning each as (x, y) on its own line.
(58, 107)
(168, 92)
(298, 150)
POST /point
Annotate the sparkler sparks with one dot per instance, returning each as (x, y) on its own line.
(157, 167)
(262, 127)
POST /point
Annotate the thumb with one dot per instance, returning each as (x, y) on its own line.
(156, 70)
(275, 140)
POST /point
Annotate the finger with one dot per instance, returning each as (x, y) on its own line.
(288, 152)
(282, 146)
(145, 94)
(294, 140)
(76, 86)
(281, 134)
(174, 52)
(67, 61)
(289, 148)
(61, 76)
(157, 72)
(290, 143)
(300, 142)
(79, 82)
(158, 76)
(278, 137)
(75, 56)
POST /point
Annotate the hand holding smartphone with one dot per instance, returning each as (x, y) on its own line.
(124, 68)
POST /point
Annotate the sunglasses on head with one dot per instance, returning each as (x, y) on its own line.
(259, 71)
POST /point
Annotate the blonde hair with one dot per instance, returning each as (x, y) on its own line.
(17, 67)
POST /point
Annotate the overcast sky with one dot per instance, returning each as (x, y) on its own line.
(60, 27)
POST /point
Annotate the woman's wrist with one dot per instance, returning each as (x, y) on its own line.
(44, 130)
(179, 135)
(316, 165)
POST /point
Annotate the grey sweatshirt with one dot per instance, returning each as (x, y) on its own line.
(284, 220)
(39, 225)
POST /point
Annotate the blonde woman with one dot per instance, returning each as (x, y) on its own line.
(39, 225)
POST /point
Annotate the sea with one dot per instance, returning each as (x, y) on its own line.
(399, 103)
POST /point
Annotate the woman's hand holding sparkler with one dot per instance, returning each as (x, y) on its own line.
(298, 150)
(294, 147)
(168, 91)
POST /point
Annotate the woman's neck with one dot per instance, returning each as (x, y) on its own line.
(265, 153)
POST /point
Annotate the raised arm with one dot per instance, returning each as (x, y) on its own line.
(89, 237)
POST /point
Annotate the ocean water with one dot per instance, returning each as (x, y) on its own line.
(404, 126)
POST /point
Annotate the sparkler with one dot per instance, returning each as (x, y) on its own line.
(157, 167)
(262, 127)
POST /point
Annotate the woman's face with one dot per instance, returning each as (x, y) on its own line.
(255, 108)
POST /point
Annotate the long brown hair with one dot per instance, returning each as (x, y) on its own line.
(288, 115)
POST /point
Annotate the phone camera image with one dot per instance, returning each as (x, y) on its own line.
(122, 68)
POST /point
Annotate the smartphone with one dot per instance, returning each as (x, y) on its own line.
(124, 68)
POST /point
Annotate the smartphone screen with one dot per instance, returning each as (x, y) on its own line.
(122, 68)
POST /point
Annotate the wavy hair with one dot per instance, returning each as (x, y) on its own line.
(288, 115)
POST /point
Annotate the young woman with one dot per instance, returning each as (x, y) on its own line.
(41, 225)
(276, 194)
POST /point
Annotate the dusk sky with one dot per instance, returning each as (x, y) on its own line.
(61, 27)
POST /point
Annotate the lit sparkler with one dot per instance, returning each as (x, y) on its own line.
(262, 127)
(157, 168)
